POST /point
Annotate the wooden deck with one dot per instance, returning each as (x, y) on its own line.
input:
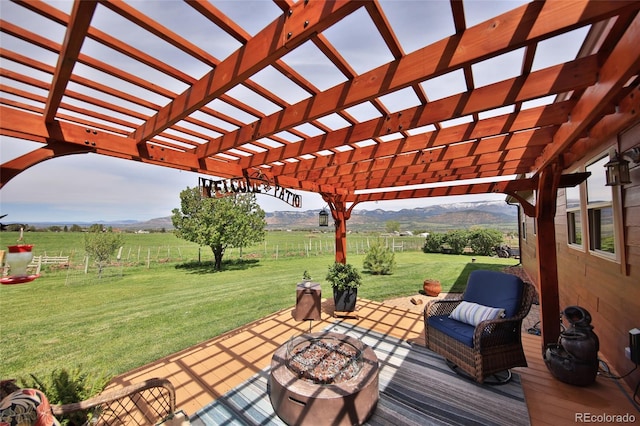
(204, 372)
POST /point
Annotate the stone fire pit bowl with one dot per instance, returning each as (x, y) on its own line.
(324, 379)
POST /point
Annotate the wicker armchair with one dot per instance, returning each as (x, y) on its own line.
(145, 403)
(492, 346)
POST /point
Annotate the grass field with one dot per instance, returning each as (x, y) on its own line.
(166, 247)
(116, 325)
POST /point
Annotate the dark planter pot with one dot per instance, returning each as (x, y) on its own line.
(345, 300)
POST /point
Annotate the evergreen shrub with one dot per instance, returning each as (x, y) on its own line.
(379, 259)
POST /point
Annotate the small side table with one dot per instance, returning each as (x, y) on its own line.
(308, 296)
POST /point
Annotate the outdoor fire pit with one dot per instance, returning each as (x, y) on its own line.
(324, 379)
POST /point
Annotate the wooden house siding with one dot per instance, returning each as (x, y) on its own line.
(528, 253)
(608, 289)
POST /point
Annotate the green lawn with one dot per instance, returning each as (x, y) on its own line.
(114, 326)
(162, 247)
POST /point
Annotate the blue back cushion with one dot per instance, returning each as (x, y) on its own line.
(495, 289)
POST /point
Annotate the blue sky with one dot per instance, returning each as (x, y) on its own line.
(91, 187)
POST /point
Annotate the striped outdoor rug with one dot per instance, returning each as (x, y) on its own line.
(416, 388)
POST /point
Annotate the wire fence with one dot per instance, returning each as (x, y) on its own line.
(149, 256)
(81, 268)
(91, 273)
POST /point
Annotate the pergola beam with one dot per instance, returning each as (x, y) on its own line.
(571, 76)
(512, 186)
(76, 31)
(80, 138)
(619, 67)
(431, 61)
(12, 168)
(269, 44)
(359, 156)
(443, 159)
(368, 159)
(440, 191)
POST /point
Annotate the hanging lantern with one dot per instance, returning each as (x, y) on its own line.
(617, 171)
(323, 218)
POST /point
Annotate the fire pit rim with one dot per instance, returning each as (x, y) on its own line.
(347, 403)
(370, 367)
(329, 339)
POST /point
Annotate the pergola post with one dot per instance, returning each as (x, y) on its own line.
(547, 255)
(340, 215)
(341, 233)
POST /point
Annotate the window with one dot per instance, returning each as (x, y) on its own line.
(574, 216)
(574, 224)
(600, 210)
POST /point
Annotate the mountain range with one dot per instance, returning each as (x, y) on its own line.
(490, 214)
(494, 214)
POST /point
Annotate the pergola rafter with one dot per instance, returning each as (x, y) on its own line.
(429, 62)
(551, 115)
(292, 140)
(243, 63)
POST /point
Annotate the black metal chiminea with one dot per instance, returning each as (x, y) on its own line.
(574, 359)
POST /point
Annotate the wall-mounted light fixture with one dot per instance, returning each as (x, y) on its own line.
(617, 171)
(618, 167)
(323, 218)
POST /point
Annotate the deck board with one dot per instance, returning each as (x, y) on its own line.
(553, 402)
(206, 371)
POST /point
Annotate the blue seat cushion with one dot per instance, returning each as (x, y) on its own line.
(457, 330)
(495, 289)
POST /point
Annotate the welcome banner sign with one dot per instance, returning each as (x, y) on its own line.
(259, 184)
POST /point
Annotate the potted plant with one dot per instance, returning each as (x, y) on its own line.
(345, 280)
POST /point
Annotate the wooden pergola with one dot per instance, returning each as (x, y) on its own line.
(532, 124)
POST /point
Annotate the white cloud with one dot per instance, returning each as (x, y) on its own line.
(92, 187)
